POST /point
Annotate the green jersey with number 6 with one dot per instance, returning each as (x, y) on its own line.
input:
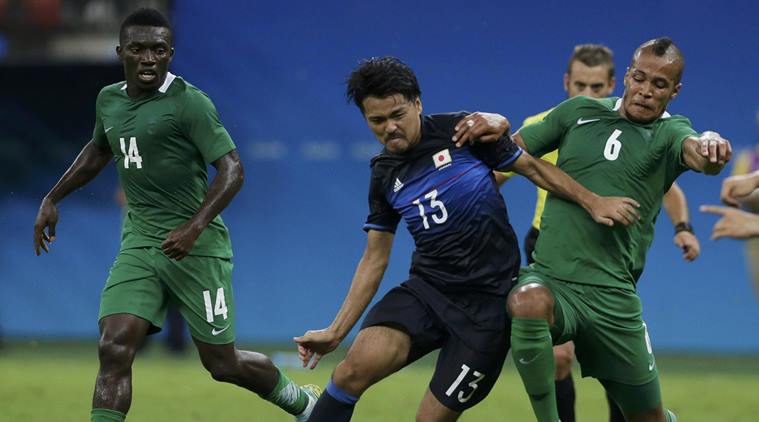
(162, 145)
(610, 156)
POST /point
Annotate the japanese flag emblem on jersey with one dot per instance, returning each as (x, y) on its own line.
(442, 158)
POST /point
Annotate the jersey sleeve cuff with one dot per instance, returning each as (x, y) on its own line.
(505, 164)
(377, 227)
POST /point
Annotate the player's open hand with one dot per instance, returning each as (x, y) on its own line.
(736, 187)
(735, 223)
(179, 242)
(716, 148)
(314, 344)
(47, 218)
(608, 210)
(689, 243)
(480, 127)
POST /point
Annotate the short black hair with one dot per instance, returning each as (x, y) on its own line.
(592, 55)
(661, 47)
(381, 77)
(144, 17)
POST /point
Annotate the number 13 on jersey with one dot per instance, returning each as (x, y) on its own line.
(434, 203)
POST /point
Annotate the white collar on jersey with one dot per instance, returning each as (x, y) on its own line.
(166, 83)
(618, 105)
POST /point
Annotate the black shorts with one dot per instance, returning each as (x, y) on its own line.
(471, 330)
(529, 243)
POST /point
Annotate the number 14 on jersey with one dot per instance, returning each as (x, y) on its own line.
(133, 154)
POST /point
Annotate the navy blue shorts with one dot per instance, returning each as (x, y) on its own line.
(471, 330)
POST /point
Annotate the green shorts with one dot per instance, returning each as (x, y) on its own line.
(144, 281)
(606, 325)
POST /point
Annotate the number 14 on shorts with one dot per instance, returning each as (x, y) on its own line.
(219, 307)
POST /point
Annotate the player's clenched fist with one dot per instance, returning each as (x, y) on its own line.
(689, 244)
(716, 148)
(179, 242)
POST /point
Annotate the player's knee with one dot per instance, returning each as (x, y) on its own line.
(115, 353)
(531, 301)
(564, 359)
(221, 363)
(351, 377)
(221, 371)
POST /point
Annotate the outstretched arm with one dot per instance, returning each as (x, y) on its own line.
(604, 210)
(88, 164)
(316, 343)
(708, 153)
(224, 187)
(676, 207)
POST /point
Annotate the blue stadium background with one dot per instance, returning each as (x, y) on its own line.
(276, 72)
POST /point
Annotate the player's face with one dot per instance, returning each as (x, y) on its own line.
(145, 53)
(649, 87)
(590, 81)
(395, 121)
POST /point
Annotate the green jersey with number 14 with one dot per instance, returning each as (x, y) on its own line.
(610, 156)
(162, 145)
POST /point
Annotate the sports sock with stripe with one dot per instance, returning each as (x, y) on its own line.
(287, 395)
(334, 405)
(106, 415)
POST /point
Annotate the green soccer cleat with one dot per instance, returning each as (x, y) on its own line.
(313, 392)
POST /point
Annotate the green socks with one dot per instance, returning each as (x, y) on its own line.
(106, 415)
(287, 395)
(670, 416)
(531, 349)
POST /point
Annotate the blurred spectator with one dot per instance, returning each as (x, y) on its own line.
(748, 162)
(740, 190)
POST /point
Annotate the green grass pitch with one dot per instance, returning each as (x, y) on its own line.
(53, 382)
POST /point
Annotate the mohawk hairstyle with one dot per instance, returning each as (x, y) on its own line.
(144, 17)
(592, 55)
(663, 47)
(381, 77)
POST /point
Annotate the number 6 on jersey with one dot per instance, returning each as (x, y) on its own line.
(613, 146)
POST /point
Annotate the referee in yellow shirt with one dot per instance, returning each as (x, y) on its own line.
(590, 72)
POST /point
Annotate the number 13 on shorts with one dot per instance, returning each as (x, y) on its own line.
(473, 385)
(217, 307)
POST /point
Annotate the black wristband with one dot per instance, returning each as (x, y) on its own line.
(683, 227)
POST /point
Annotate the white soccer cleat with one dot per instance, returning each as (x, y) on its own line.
(313, 392)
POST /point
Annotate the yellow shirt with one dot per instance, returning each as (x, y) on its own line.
(551, 157)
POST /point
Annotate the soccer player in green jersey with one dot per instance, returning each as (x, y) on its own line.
(582, 286)
(590, 72)
(162, 132)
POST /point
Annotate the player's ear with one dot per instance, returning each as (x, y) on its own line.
(676, 91)
(566, 82)
(119, 50)
(418, 105)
